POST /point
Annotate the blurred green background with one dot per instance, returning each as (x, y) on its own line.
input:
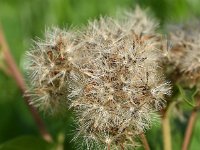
(24, 20)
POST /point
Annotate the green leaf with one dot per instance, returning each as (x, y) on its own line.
(188, 95)
(27, 142)
(154, 137)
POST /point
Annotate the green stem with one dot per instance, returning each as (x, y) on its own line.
(166, 126)
(166, 131)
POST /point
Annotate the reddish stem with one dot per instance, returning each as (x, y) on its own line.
(144, 141)
(17, 76)
(190, 126)
(122, 146)
(108, 146)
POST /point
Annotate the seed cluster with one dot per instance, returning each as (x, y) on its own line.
(108, 74)
(185, 54)
(48, 68)
(121, 85)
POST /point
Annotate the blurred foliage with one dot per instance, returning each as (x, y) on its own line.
(21, 143)
(23, 20)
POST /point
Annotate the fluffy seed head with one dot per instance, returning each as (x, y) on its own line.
(109, 73)
(118, 84)
(185, 54)
(48, 67)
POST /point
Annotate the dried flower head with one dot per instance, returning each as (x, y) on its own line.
(118, 84)
(48, 68)
(184, 54)
(108, 73)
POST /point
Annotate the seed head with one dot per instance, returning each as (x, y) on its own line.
(118, 84)
(185, 51)
(48, 68)
(108, 73)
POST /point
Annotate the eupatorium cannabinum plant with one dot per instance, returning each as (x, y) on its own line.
(108, 73)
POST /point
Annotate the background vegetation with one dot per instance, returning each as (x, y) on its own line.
(24, 20)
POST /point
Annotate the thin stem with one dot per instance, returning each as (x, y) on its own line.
(61, 140)
(166, 125)
(144, 141)
(17, 76)
(3, 67)
(108, 146)
(122, 146)
(166, 131)
(190, 126)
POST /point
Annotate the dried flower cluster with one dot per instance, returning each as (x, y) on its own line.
(48, 69)
(185, 54)
(108, 74)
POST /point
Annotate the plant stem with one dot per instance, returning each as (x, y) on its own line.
(166, 125)
(190, 126)
(17, 76)
(166, 130)
(108, 146)
(122, 146)
(144, 141)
